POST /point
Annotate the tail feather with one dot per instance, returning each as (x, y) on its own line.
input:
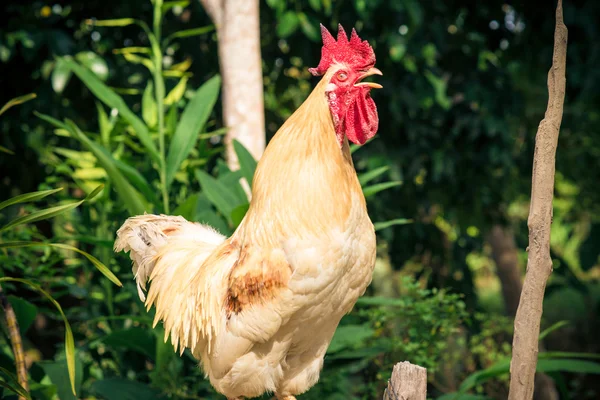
(187, 264)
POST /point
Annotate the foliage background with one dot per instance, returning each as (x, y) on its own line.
(464, 90)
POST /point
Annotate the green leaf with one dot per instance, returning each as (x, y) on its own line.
(221, 196)
(149, 109)
(94, 63)
(192, 32)
(69, 341)
(177, 92)
(60, 76)
(41, 215)
(178, 3)
(187, 209)
(58, 372)
(7, 151)
(17, 101)
(568, 365)
(386, 224)
(370, 175)
(28, 197)
(288, 23)
(113, 100)
(132, 199)
(112, 22)
(137, 180)
(15, 388)
(567, 354)
(25, 312)
(309, 27)
(238, 214)
(124, 389)
(349, 336)
(247, 162)
(380, 301)
(192, 122)
(97, 263)
(137, 339)
(498, 369)
(552, 328)
(378, 187)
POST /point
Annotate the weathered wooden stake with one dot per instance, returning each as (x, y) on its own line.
(408, 382)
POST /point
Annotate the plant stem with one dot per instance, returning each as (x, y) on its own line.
(15, 341)
(159, 91)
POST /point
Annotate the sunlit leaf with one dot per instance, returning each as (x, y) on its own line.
(149, 109)
(192, 122)
(111, 99)
(372, 174)
(60, 76)
(28, 197)
(177, 92)
(378, 187)
(386, 224)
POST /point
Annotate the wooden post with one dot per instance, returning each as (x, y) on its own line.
(539, 263)
(408, 382)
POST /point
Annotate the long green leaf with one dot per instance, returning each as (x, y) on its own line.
(132, 199)
(28, 197)
(192, 121)
(191, 32)
(247, 162)
(17, 101)
(221, 196)
(41, 215)
(113, 100)
(370, 175)
(386, 224)
(552, 328)
(137, 180)
(16, 389)
(69, 341)
(97, 263)
(378, 187)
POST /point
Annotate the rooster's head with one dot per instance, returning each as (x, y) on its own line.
(345, 63)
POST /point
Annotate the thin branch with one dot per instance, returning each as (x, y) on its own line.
(539, 263)
(16, 342)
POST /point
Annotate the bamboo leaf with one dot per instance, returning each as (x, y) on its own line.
(28, 197)
(192, 122)
(7, 151)
(247, 162)
(552, 328)
(69, 341)
(113, 100)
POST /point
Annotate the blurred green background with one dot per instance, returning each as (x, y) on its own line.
(447, 181)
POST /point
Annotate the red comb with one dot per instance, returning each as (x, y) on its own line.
(355, 52)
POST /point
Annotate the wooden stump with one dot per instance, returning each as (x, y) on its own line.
(408, 382)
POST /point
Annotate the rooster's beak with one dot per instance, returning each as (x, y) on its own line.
(371, 71)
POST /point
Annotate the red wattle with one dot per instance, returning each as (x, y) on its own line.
(361, 120)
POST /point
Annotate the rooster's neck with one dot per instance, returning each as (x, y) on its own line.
(304, 176)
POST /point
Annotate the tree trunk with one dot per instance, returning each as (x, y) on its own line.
(504, 253)
(238, 32)
(539, 264)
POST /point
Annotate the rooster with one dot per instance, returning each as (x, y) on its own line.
(259, 308)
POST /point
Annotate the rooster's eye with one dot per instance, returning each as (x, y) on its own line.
(342, 76)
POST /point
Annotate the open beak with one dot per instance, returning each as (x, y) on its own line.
(371, 71)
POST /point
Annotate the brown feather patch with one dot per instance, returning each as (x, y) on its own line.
(256, 277)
